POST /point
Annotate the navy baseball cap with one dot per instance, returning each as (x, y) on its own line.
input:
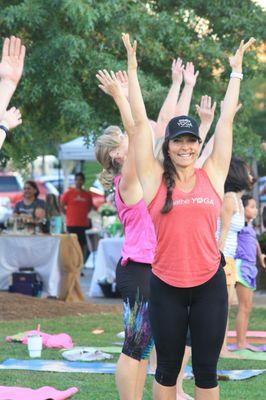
(182, 125)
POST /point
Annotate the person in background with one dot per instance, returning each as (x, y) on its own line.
(230, 223)
(30, 208)
(248, 249)
(76, 203)
(53, 213)
(11, 68)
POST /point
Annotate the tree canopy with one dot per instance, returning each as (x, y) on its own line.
(68, 41)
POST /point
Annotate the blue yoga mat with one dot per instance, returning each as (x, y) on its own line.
(107, 368)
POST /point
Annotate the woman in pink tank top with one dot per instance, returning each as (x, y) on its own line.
(188, 286)
(115, 152)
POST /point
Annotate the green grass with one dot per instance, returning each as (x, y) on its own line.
(102, 387)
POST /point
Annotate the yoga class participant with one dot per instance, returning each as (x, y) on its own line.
(188, 287)
(230, 223)
(115, 152)
(247, 251)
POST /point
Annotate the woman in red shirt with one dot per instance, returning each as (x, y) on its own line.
(188, 287)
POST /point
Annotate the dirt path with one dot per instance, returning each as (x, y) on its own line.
(18, 307)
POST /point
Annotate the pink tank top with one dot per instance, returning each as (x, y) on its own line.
(187, 253)
(140, 239)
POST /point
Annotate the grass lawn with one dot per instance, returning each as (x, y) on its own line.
(102, 387)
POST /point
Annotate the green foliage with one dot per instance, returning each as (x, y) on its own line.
(68, 41)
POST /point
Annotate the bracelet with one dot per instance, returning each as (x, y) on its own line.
(236, 75)
(4, 128)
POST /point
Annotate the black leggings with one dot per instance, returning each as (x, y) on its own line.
(204, 310)
(133, 282)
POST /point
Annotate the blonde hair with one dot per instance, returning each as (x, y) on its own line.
(108, 141)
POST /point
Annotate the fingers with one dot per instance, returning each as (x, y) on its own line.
(5, 50)
(124, 73)
(238, 107)
(214, 107)
(248, 44)
(17, 47)
(12, 46)
(22, 53)
(122, 77)
(103, 88)
(126, 41)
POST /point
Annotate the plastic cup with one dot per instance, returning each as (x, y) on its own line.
(35, 346)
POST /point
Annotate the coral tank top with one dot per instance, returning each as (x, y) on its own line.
(187, 253)
(140, 240)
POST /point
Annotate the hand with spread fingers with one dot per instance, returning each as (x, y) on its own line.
(177, 71)
(190, 76)
(109, 83)
(206, 110)
(11, 118)
(12, 63)
(122, 78)
(237, 59)
(131, 51)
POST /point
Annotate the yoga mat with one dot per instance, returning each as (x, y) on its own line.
(254, 334)
(105, 368)
(251, 355)
(257, 349)
(255, 337)
(59, 366)
(254, 340)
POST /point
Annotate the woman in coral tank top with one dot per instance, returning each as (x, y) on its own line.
(188, 286)
(115, 152)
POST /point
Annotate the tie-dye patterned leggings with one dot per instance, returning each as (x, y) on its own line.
(133, 282)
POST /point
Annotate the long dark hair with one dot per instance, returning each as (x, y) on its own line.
(169, 175)
(238, 176)
(34, 186)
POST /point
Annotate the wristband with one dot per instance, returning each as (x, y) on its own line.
(4, 128)
(236, 75)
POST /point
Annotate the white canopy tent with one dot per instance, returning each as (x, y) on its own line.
(74, 151)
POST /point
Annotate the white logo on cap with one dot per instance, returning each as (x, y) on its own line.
(184, 123)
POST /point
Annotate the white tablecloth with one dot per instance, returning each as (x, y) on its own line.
(108, 255)
(39, 252)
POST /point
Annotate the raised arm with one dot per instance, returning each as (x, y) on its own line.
(110, 85)
(11, 68)
(129, 185)
(148, 169)
(167, 111)
(206, 152)
(190, 78)
(217, 164)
